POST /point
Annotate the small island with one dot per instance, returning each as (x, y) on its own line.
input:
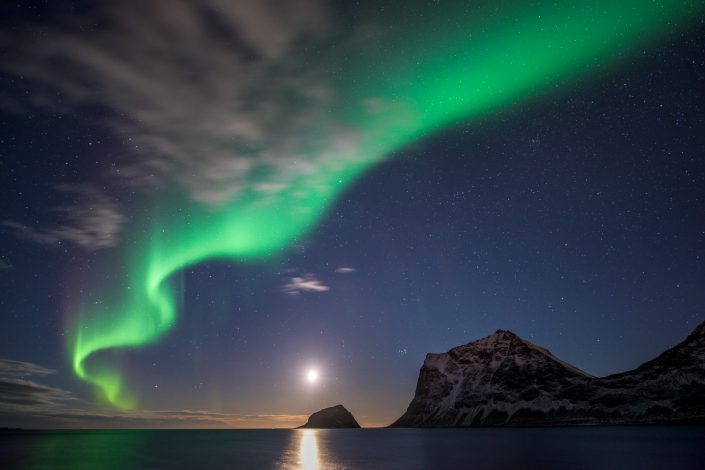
(334, 417)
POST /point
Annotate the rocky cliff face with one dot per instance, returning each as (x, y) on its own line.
(331, 418)
(505, 380)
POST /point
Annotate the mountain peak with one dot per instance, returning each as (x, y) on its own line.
(458, 387)
(503, 379)
(332, 417)
(501, 331)
(505, 333)
(499, 350)
(699, 330)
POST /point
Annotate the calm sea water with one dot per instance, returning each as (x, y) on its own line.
(534, 448)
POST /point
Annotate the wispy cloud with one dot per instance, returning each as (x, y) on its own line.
(172, 419)
(21, 395)
(305, 283)
(93, 221)
(18, 394)
(4, 265)
(9, 367)
(57, 416)
(245, 115)
(27, 401)
(345, 270)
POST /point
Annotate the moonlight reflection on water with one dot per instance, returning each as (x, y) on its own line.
(589, 447)
(308, 450)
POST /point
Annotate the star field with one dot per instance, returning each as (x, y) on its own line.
(573, 218)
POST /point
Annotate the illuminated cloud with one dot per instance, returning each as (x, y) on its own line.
(305, 283)
(206, 94)
(93, 222)
(20, 393)
(47, 406)
(54, 416)
(345, 270)
(172, 419)
(9, 367)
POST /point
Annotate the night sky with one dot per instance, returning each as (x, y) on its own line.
(155, 271)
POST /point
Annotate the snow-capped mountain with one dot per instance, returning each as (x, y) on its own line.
(505, 380)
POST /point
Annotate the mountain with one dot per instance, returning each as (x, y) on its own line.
(330, 418)
(505, 380)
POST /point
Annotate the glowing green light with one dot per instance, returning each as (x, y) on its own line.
(430, 73)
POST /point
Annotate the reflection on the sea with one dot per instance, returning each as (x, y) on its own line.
(307, 451)
(110, 449)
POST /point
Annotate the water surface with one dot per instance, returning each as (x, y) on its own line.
(647, 447)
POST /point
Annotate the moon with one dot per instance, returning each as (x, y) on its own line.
(312, 376)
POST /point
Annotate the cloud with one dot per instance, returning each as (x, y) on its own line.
(19, 393)
(25, 402)
(5, 265)
(9, 367)
(345, 270)
(170, 418)
(42, 416)
(217, 98)
(93, 221)
(305, 283)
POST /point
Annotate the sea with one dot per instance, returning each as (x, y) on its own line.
(617, 447)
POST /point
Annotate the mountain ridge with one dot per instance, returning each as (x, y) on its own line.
(333, 417)
(503, 379)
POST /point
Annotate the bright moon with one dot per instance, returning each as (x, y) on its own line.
(312, 375)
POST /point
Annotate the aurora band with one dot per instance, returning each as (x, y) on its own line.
(452, 66)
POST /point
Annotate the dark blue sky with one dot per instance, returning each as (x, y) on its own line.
(576, 220)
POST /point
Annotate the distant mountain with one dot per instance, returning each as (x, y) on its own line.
(505, 380)
(330, 418)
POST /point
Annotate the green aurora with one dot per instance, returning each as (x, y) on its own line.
(457, 64)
